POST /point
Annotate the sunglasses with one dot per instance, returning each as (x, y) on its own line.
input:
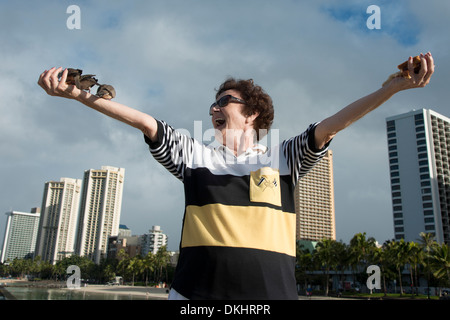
(223, 102)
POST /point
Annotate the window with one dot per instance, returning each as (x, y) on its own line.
(420, 135)
(392, 141)
(422, 149)
(390, 126)
(421, 142)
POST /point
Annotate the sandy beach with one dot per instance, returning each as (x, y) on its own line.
(149, 292)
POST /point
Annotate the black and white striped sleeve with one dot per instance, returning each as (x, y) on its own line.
(301, 153)
(172, 149)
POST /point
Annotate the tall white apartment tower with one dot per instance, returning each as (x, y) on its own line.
(419, 155)
(57, 226)
(20, 235)
(100, 207)
(152, 241)
(314, 202)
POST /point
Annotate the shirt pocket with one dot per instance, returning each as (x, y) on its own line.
(265, 186)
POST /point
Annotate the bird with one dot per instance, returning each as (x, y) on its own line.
(72, 75)
(106, 91)
(86, 82)
(404, 67)
(404, 72)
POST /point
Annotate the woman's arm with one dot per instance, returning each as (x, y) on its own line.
(57, 87)
(329, 127)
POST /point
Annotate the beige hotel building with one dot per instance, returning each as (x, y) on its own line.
(58, 220)
(314, 202)
(100, 208)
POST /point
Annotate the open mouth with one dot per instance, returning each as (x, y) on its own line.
(219, 122)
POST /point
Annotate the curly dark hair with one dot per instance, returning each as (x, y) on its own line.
(256, 100)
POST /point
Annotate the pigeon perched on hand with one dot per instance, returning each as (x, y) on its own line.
(106, 91)
(73, 75)
(86, 82)
(404, 72)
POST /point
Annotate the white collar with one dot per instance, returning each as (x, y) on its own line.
(251, 151)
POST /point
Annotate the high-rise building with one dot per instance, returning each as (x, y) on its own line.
(314, 202)
(152, 241)
(20, 235)
(419, 154)
(59, 212)
(100, 208)
(124, 230)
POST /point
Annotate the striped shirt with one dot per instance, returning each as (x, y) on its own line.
(238, 235)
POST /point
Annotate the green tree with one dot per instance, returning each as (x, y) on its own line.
(305, 264)
(149, 263)
(398, 252)
(135, 267)
(440, 263)
(162, 260)
(427, 243)
(360, 253)
(414, 257)
(327, 258)
(124, 260)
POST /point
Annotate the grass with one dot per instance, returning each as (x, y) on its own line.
(381, 295)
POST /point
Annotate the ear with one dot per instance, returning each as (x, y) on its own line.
(251, 118)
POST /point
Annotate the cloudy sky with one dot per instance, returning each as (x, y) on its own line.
(166, 58)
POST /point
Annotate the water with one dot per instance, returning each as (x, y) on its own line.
(30, 293)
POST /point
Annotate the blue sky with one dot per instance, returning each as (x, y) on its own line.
(167, 58)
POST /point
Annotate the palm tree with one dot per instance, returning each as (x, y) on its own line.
(162, 259)
(427, 243)
(342, 257)
(124, 260)
(440, 263)
(149, 265)
(134, 266)
(305, 263)
(414, 258)
(325, 254)
(360, 252)
(398, 251)
(384, 259)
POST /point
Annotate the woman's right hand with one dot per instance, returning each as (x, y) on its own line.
(49, 81)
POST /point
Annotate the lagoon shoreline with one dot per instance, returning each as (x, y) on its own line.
(152, 293)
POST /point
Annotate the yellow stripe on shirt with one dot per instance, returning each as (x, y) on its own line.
(244, 227)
